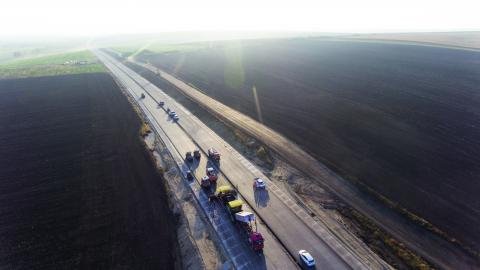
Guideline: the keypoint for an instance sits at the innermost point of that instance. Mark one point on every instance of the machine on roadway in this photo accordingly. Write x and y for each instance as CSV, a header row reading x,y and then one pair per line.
x,y
243,220
259,183
213,154
188,156
212,175
196,154
206,183
189,175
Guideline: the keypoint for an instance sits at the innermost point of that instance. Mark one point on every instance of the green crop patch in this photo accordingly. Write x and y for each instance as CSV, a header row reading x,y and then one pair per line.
x,y
58,64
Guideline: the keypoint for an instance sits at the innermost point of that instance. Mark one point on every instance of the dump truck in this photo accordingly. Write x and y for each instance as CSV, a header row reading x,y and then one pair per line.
x,y
225,193
213,154
234,207
243,219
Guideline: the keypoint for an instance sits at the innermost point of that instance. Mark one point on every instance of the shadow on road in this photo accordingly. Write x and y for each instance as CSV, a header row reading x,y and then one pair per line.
x,y
209,164
193,164
261,197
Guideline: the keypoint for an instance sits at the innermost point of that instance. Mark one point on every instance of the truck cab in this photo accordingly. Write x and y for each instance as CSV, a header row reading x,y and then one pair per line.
x,y
256,240
188,156
213,154
205,182
189,175
196,154
212,175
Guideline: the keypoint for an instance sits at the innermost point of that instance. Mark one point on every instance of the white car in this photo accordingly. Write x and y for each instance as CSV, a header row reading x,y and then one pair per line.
x,y
306,258
259,183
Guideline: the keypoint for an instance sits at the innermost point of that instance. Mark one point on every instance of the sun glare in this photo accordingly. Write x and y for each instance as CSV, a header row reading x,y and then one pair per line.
x,y
89,17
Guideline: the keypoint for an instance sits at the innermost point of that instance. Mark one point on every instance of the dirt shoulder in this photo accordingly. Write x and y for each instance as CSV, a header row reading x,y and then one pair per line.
x,y
430,246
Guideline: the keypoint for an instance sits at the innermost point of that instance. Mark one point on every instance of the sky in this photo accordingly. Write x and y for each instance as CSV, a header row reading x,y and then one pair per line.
x,y
106,17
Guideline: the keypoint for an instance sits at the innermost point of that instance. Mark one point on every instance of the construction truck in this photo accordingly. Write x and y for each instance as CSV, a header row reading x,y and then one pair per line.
x,y
212,175
206,183
196,154
188,156
225,194
243,220
213,154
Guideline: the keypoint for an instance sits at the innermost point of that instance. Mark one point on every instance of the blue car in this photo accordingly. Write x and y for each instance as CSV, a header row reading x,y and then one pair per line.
x,y
306,258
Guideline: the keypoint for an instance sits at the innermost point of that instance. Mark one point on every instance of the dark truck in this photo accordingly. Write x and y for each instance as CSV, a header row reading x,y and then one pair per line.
x,y
213,154
188,156
196,154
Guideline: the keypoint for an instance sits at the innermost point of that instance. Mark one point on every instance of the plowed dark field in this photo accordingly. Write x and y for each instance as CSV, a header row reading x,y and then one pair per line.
x,y
402,119
77,188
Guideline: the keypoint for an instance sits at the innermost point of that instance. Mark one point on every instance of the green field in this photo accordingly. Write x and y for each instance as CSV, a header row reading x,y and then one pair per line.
x,y
51,65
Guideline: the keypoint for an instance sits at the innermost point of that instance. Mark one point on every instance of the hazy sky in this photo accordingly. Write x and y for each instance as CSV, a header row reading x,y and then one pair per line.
x,y
94,17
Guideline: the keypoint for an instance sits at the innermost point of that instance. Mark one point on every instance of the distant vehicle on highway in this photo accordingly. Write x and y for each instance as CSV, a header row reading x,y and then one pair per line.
x,y
205,182
196,154
212,175
306,258
161,103
213,154
173,115
259,183
188,156
189,175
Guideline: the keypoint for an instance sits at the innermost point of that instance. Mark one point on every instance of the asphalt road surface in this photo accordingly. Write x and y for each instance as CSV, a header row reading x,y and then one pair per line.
x,y
293,227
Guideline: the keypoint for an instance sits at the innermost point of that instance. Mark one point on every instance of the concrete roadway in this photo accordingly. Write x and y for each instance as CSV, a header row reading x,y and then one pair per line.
x,y
293,227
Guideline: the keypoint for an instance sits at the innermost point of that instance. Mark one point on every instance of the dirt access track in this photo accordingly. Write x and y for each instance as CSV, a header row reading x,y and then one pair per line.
x,y
430,246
